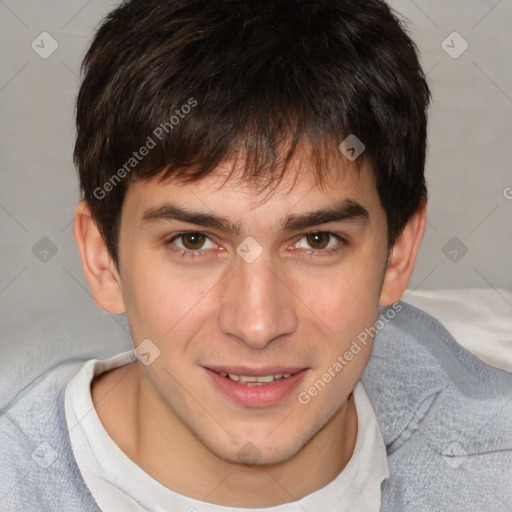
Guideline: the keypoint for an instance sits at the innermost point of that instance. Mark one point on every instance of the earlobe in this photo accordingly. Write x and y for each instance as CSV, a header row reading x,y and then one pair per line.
x,y
402,258
98,267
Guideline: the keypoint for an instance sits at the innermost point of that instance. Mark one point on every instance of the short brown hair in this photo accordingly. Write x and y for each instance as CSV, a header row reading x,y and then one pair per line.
x,y
195,81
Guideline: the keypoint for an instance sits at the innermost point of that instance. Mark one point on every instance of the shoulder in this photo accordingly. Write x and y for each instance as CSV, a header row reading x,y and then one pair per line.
x,y
415,358
34,446
445,415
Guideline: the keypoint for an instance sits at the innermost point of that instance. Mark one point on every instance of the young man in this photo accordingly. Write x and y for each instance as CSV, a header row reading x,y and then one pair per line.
x,y
254,201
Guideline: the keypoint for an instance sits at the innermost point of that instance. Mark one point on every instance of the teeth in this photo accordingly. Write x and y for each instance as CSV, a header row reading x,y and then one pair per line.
x,y
251,380
266,378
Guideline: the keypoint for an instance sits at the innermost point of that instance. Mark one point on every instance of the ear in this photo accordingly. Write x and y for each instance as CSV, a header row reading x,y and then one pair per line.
x,y
402,257
99,268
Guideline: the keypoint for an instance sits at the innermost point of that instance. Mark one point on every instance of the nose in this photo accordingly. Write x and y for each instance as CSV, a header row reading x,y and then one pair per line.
x,y
257,306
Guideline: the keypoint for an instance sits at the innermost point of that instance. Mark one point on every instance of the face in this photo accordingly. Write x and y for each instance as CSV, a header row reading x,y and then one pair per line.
x,y
270,289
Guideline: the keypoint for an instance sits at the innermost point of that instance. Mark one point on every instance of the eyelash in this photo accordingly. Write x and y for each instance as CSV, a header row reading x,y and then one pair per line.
x,y
199,252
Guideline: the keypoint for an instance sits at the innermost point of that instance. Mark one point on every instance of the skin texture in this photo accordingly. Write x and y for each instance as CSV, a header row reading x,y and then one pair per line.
x,y
291,306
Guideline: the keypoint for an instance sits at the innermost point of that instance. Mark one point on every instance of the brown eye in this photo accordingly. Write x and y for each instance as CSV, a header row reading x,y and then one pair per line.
x,y
318,240
321,243
193,241
191,244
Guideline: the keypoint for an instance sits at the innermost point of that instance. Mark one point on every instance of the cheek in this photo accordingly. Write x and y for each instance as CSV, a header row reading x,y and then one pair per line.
x,y
159,302
345,298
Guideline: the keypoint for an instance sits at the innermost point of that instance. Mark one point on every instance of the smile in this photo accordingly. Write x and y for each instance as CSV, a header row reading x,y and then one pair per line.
x,y
264,387
251,380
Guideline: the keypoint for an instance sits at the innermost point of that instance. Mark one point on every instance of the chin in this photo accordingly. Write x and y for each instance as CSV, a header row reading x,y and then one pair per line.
x,y
261,452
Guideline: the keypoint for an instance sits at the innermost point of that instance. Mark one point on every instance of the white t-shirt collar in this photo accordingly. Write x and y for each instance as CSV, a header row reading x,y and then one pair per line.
x,y
117,483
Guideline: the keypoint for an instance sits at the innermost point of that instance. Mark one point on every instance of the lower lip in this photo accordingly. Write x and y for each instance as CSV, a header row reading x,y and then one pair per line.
x,y
257,396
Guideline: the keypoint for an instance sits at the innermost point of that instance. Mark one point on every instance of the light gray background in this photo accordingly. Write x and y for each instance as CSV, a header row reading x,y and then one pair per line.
x,y
468,167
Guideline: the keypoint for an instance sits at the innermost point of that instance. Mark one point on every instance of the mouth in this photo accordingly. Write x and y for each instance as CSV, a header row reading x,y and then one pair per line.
x,y
262,380
256,387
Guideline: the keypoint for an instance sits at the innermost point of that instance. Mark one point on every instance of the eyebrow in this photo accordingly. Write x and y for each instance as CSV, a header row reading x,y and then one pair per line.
x,y
346,210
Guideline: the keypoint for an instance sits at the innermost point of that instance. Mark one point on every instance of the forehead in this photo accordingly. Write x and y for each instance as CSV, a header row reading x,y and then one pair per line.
x,y
260,206
300,177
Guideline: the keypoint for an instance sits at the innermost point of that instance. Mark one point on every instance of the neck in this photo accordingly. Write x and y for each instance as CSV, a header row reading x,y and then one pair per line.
x,y
183,464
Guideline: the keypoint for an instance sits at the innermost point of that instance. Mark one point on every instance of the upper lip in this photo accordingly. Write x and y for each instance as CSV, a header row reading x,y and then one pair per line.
x,y
256,372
